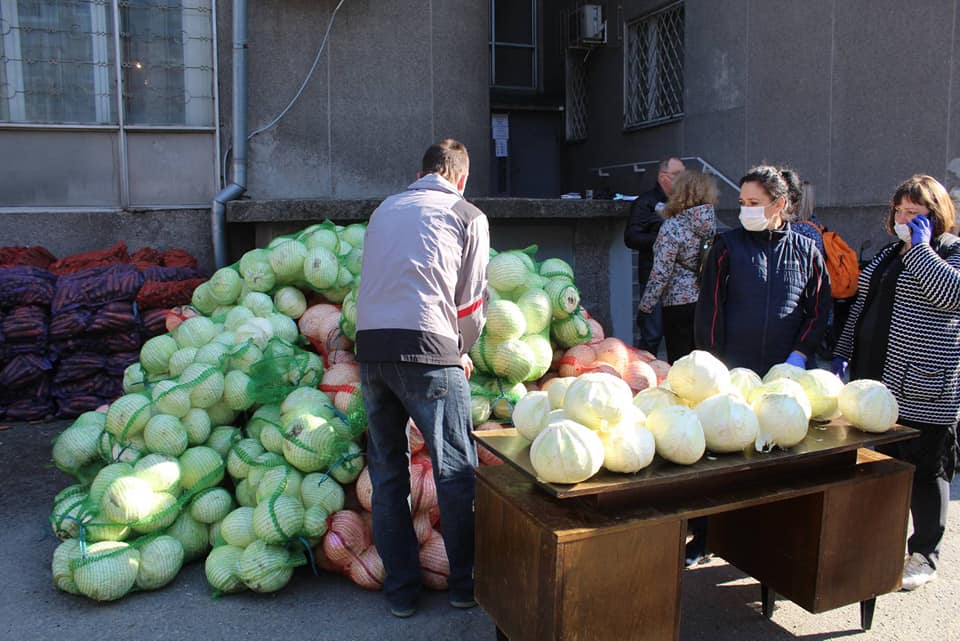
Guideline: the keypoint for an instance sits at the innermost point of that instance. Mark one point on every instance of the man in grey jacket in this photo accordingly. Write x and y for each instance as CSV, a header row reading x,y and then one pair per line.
x,y
420,308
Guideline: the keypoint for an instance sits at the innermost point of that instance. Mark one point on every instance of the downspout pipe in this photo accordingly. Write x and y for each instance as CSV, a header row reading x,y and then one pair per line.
x,y
238,185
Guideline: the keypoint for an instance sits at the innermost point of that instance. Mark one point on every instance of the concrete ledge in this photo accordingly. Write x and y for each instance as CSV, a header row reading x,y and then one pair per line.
x,y
304,210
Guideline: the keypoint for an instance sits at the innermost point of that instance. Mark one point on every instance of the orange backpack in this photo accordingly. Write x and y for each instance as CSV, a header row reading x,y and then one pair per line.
x,y
842,264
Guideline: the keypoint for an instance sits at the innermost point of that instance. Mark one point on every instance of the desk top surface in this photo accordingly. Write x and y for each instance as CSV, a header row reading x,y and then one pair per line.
x,y
824,441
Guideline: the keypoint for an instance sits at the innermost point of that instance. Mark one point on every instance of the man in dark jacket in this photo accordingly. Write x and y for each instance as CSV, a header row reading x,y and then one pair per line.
x,y
640,234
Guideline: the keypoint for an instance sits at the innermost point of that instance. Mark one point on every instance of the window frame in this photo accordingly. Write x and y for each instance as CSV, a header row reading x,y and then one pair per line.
x,y
533,46
121,128
629,34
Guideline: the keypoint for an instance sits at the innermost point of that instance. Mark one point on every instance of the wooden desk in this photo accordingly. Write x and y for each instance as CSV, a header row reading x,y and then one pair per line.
x,y
821,525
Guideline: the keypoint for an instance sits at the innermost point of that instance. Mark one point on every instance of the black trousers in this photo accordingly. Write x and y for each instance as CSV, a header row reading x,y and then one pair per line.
x,y
678,330
934,455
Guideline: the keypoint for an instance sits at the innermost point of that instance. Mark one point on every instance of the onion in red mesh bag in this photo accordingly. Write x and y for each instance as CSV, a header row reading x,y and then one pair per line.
x,y
345,539
339,383
423,488
435,568
146,257
341,356
321,325
414,438
596,331
613,352
485,456
577,360
423,525
661,369
177,315
364,489
639,376
368,571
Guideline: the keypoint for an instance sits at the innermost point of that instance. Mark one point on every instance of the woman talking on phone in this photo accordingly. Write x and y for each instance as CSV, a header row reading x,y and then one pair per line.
x,y
904,330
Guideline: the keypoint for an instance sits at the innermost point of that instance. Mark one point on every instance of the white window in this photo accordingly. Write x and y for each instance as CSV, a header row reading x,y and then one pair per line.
x,y
59,64
653,68
513,44
111,103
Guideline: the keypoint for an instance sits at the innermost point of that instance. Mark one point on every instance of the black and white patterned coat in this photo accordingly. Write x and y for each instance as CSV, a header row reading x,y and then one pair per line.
x,y
922,366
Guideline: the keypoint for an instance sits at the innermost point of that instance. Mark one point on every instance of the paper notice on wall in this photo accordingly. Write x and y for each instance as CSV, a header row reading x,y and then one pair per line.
x,y
501,148
500,123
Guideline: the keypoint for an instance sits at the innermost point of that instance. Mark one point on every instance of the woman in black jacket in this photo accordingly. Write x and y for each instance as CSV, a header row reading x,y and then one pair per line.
x,y
904,330
764,292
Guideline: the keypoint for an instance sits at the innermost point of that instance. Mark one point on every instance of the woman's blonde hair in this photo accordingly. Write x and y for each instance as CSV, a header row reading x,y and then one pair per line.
x,y
927,192
691,188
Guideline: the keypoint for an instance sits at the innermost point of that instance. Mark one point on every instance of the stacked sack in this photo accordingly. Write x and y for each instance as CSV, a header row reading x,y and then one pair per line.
x,y
95,335
169,279
25,364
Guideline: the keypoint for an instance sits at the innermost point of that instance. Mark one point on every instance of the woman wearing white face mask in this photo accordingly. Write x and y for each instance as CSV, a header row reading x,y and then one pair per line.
x,y
904,329
765,292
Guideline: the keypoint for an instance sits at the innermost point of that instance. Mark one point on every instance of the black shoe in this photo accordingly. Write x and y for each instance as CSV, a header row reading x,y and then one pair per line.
x,y
403,612
464,604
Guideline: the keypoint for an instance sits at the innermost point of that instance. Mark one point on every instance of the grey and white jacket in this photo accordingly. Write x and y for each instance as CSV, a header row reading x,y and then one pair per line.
x,y
922,366
423,283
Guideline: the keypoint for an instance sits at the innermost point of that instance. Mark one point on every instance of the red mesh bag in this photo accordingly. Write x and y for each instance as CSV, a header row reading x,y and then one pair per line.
x,y
146,257
35,256
434,566
161,295
178,258
116,254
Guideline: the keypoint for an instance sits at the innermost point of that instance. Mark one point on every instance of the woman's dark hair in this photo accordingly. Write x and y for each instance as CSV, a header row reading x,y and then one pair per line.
x,y
778,182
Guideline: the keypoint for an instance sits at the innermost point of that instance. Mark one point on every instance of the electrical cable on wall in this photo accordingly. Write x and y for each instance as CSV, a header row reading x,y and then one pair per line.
x,y
303,85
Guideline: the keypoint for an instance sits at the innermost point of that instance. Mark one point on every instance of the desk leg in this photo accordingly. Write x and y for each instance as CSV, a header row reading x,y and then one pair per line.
x,y
866,612
766,601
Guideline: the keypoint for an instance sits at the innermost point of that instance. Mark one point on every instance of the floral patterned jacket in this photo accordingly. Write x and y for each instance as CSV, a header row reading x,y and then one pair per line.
x,y
674,279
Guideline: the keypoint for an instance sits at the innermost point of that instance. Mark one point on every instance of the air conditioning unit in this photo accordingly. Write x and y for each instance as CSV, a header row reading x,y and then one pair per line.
x,y
592,26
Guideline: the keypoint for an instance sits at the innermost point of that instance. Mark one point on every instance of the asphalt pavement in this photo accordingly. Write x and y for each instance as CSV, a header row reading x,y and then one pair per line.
x,y
719,602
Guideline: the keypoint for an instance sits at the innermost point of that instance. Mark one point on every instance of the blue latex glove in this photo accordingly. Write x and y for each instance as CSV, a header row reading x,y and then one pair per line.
x,y
797,360
921,230
839,366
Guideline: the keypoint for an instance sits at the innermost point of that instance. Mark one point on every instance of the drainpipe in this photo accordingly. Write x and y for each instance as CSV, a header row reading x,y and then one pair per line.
x,y
218,214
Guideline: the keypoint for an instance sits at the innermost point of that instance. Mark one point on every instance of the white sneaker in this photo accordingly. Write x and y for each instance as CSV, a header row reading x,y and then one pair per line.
x,y
917,572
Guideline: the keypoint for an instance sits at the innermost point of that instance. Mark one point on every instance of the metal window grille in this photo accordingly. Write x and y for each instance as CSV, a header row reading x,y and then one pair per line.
x,y
576,107
653,68
62,60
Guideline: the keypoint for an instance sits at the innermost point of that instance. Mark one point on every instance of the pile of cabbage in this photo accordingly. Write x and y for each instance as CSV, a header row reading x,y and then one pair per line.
x,y
577,425
530,304
233,443
228,393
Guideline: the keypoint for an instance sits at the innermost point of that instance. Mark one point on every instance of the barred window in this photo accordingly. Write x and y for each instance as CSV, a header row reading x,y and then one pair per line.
x,y
653,68
576,96
58,62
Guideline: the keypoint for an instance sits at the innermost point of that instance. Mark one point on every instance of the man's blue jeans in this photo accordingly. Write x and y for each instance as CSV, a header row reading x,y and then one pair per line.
x,y
437,398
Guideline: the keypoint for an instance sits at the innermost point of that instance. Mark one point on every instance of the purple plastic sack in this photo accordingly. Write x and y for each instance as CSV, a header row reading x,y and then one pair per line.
x,y
23,370
94,287
25,324
105,344
78,366
21,286
32,403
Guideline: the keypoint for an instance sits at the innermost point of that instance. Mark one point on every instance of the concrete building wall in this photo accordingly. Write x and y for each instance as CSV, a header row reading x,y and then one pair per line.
x,y
856,95
396,75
